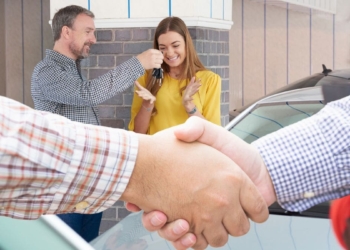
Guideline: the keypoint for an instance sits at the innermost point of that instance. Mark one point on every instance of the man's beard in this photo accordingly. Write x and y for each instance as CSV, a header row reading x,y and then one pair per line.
x,y
79,52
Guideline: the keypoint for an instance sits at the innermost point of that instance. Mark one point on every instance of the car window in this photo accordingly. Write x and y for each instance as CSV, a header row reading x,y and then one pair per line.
x,y
267,118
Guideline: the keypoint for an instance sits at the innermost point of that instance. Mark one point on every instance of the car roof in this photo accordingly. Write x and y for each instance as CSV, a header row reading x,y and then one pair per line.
x,y
327,77
342,73
305,94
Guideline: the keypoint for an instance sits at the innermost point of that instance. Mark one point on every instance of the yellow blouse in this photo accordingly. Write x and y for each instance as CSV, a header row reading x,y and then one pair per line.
x,y
170,111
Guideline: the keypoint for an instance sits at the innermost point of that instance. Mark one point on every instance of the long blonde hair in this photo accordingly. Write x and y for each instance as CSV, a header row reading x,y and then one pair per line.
x,y
191,64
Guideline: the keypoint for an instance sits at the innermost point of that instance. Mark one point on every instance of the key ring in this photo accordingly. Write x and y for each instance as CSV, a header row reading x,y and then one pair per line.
x,y
158,74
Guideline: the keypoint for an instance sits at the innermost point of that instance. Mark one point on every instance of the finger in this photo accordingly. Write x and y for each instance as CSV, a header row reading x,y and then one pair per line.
x,y
174,230
185,242
154,220
201,242
194,130
253,203
237,224
217,237
131,207
193,79
191,130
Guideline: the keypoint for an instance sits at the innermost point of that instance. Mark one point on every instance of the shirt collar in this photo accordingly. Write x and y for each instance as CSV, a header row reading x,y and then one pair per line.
x,y
54,55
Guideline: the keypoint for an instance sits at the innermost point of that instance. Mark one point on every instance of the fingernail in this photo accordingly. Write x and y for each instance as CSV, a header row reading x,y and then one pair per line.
x,y
188,241
179,228
155,221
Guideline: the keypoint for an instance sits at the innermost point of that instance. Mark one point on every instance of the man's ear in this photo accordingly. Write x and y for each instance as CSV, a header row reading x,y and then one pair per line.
x,y
65,32
346,234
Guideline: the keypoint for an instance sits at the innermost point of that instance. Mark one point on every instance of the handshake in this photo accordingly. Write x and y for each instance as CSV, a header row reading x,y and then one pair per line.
x,y
199,183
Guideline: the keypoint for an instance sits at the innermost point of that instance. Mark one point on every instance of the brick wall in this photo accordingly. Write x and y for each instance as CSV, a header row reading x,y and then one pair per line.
x,y
114,46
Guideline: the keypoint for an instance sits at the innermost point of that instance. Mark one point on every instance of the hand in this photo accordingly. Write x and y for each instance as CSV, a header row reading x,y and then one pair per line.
x,y
197,183
144,93
244,154
151,59
190,90
176,232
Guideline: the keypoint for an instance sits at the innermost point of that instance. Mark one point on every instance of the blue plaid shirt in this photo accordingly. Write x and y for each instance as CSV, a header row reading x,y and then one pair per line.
x,y
58,87
309,162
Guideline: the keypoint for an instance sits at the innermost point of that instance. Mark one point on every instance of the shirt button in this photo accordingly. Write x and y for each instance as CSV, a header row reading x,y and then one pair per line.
x,y
81,205
309,194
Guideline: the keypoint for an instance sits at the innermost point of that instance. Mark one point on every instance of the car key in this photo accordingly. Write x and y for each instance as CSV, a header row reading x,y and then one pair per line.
x,y
158,74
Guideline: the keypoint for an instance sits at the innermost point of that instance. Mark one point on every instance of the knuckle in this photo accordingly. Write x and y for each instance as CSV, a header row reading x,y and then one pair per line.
x,y
219,240
200,245
260,211
243,228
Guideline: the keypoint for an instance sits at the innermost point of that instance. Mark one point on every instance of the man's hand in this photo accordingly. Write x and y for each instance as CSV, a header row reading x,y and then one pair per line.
x,y
151,59
242,153
197,183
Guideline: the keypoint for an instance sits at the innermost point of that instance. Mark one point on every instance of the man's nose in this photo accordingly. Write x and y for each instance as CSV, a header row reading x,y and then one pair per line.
x,y
93,38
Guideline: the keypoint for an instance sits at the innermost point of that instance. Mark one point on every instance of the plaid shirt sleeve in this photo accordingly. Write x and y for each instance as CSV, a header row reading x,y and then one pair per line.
x,y
309,162
49,164
50,81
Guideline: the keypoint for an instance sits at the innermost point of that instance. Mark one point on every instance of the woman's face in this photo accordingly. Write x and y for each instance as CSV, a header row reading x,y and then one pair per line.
x,y
172,44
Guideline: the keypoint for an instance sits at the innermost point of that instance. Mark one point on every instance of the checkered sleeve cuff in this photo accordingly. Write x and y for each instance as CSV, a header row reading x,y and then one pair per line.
x,y
309,161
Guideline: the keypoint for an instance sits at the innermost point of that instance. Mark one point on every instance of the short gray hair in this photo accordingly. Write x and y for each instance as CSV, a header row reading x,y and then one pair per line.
x,y
66,17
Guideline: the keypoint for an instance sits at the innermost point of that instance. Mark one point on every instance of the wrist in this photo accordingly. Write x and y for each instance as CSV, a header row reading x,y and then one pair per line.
x,y
147,104
189,106
192,111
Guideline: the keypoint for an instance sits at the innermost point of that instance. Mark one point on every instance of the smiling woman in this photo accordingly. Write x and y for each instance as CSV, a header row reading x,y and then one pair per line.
x,y
187,89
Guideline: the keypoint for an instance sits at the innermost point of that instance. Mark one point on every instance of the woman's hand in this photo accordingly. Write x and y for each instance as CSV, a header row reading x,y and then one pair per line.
x,y
190,90
144,93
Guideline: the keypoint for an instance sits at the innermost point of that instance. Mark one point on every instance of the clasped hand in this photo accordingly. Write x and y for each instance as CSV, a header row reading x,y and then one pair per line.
x,y
211,195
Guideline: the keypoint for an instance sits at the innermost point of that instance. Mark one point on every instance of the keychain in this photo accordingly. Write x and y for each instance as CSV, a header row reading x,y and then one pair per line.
x,y
158,74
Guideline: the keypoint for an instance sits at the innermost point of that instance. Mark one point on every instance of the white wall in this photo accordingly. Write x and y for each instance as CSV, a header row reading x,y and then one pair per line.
x,y
142,13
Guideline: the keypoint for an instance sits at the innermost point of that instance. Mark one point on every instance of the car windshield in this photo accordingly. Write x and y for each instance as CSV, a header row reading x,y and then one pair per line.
x,y
267,118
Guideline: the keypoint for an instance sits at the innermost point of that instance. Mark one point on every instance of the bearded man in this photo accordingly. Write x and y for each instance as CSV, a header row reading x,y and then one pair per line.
x,y
58,86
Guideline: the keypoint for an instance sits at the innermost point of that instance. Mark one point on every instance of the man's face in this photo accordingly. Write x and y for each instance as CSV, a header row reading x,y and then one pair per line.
x,y
82,36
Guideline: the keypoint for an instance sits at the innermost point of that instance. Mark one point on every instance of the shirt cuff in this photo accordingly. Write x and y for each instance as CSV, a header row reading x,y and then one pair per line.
x,y
309,161
99,172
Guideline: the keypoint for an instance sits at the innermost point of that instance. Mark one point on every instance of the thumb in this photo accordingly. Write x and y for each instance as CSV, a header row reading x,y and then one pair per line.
x,y
203,131
190,131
